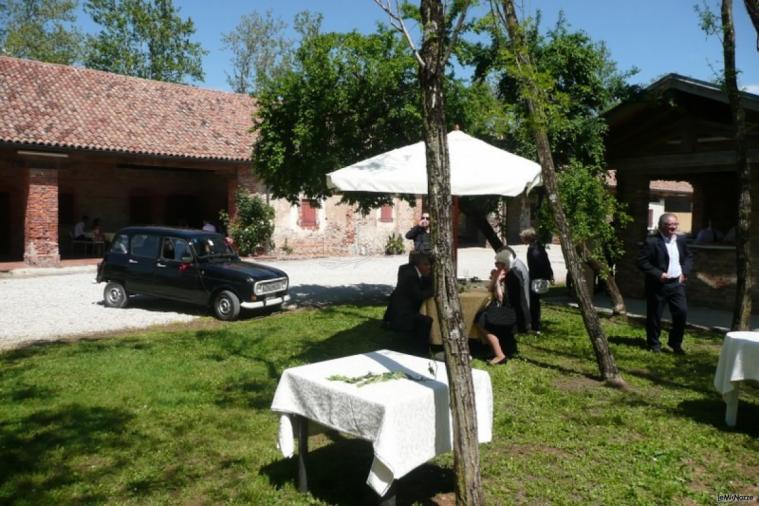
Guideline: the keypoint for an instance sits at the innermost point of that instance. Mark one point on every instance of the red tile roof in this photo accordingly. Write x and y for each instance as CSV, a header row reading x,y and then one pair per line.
x,y
57,105
660,185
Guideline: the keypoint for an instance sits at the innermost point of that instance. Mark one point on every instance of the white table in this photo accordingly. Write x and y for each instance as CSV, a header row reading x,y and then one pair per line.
x,y
408,421
738,361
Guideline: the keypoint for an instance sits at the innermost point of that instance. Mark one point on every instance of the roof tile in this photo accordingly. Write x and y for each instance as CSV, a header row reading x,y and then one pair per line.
x,y
59,105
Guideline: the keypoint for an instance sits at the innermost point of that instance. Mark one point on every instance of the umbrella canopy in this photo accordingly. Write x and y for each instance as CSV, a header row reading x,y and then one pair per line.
x,y
477,168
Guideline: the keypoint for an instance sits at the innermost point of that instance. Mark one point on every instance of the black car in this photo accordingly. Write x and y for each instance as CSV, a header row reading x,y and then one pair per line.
x,y
187,265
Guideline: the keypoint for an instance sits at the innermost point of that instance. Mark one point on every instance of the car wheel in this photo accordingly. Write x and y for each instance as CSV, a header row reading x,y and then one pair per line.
x,y
226,306
115,295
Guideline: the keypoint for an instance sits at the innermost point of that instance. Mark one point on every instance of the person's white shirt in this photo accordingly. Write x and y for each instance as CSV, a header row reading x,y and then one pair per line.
x,y
209,227
79,229
674,270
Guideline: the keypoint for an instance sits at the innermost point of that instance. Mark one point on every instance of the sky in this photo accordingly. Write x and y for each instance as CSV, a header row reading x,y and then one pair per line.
x,y
656,36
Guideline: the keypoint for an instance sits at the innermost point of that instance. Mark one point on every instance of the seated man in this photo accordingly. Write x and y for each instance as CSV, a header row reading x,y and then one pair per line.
x,y
413,287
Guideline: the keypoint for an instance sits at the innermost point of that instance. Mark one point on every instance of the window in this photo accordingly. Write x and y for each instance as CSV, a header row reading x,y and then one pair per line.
x,y
308,214
174,249
145,246
386,213
211,246
120,244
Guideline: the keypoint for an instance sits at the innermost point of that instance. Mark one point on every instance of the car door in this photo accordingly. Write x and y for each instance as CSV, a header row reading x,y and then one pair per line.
x,y
174,276
143,254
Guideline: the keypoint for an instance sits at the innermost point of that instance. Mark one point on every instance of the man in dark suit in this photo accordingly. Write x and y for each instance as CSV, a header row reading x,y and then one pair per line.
x,y
413,287
666,261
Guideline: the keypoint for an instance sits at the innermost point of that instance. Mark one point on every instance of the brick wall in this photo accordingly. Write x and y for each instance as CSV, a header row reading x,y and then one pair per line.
x,y
41,218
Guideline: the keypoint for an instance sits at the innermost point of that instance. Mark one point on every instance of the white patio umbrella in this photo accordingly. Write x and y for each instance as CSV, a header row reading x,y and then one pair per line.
x,y
477,168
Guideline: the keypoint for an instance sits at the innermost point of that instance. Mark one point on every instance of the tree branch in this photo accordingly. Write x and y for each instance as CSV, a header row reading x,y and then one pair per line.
x,y
456,31
396,21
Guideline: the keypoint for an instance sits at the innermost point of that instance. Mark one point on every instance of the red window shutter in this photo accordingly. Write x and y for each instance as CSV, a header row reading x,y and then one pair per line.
x,y
386,213
307,214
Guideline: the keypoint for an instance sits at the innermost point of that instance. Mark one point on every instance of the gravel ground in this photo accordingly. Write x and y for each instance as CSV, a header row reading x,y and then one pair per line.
x,y
48,304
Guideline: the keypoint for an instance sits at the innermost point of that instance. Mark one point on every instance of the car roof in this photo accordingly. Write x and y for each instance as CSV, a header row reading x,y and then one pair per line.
x,y
185,233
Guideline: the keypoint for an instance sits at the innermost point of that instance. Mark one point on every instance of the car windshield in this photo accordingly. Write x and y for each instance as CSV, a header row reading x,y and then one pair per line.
x,y
211,246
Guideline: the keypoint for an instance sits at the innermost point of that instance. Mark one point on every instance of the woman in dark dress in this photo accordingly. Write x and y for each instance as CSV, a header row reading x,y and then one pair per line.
x,y
505,310
540,268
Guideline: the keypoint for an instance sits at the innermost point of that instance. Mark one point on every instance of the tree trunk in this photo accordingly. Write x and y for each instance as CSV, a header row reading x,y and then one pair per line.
x,y
531,93
742,311
483,225
601,270
466,450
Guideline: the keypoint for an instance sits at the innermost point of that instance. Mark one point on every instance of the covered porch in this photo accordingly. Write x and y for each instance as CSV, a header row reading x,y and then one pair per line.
x,y
680,130
44,193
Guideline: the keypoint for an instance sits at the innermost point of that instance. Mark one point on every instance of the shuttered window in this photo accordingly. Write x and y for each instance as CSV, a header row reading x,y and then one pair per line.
x,y
386,214
308,214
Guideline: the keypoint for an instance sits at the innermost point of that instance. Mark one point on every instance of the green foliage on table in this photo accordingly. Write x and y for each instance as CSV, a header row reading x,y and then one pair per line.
x,y
143,38
253,224
370,377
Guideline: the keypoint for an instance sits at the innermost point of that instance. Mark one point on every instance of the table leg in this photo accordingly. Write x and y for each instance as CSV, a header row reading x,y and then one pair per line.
x,y
731,409
389,498
302,453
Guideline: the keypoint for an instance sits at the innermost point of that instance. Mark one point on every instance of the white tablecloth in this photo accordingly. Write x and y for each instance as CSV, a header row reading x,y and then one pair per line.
x,y
407,421
738,360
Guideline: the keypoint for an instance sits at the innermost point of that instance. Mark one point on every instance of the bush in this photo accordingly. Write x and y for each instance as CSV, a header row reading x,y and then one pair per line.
x,y
394,245
253,225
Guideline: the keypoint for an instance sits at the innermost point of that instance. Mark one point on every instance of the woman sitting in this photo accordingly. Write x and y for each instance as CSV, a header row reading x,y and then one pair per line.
x,y
505,310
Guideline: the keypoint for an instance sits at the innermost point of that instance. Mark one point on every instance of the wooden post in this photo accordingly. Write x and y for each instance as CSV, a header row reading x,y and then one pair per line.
x,y
302,453
455,225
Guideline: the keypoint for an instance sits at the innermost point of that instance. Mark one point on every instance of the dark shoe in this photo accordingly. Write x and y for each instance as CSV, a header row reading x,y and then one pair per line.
x,y
654,349
678,350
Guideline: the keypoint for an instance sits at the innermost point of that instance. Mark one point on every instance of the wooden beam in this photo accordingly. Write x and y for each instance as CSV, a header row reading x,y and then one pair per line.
x,y
715,161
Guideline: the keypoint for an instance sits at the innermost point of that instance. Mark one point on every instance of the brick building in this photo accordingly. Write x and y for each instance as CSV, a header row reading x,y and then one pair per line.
x,y
126,150
679,130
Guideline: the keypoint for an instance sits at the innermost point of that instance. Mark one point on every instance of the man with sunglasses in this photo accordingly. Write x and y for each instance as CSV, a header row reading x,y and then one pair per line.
x,y
420,234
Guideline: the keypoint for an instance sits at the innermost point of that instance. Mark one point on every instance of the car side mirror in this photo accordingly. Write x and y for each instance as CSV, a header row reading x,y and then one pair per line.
x,y
187,259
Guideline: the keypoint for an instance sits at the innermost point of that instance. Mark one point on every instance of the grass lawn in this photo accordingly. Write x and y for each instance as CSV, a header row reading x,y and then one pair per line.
x,y
181,415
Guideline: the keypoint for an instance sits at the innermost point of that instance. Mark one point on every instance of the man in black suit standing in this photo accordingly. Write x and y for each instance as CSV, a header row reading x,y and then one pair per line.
x,y
666,261
413,287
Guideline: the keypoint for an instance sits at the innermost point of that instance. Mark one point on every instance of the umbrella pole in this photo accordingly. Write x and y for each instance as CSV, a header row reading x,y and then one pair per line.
x,y
455,225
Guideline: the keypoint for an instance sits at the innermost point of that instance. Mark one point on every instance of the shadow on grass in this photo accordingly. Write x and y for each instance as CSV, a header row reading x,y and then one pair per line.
x,y
65,445
632,342
319,295
337,475
712,412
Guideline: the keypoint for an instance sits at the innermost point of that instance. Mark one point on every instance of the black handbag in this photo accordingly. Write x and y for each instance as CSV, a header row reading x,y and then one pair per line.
x,y
500,316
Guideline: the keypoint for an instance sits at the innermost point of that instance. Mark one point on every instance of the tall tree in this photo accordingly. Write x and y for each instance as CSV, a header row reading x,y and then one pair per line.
x,y
742,311
437,42
143,38
584,82
532,92
259,48
40,30
356,94
744,272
